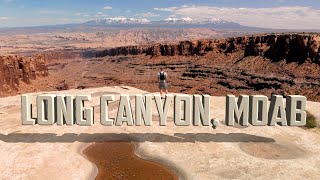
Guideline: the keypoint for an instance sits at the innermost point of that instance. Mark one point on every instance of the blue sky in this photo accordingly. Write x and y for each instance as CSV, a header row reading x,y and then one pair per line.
x,y
294,14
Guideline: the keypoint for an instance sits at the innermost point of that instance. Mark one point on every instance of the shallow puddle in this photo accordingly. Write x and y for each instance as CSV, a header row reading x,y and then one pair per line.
x,y
116,160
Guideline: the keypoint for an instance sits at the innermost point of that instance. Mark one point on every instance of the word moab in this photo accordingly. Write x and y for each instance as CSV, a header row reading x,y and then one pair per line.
x,y
257,111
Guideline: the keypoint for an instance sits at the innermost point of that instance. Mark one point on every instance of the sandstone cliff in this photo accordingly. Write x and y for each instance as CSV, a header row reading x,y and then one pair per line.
x,y
14,70
61,55
292,47
128,50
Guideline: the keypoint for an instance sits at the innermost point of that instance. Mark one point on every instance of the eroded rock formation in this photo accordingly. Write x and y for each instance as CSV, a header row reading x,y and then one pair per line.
x,y
292,47
14,69
129,50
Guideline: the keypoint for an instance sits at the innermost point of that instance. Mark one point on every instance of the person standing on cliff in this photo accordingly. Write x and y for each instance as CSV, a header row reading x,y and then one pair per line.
x,y
162,81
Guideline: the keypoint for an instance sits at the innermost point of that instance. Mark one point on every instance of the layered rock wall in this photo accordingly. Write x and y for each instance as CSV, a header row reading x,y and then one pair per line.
x,y
61,55
292,47
15,69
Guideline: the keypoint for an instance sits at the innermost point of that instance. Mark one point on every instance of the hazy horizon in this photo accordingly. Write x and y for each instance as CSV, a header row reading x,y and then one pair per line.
x,y
275,14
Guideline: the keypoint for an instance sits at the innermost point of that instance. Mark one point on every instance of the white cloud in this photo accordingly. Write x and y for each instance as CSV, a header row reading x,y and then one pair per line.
x,y
107,8
87,15
172,19
147,15
3,18
82,14
169,9
295,17
101,14
78,14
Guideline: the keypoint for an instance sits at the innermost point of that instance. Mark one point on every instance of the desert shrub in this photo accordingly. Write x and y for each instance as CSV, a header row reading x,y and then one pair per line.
x,y
311,121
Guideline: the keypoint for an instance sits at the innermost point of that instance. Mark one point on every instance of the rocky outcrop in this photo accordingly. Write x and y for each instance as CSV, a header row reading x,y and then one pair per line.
x,y
294,48
291,47
62,86
129,50
14,70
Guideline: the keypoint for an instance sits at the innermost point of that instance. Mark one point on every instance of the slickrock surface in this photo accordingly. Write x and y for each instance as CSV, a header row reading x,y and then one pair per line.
x,y
200,153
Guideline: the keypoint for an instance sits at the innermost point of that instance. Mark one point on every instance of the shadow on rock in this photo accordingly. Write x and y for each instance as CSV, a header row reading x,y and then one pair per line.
x,y
131,137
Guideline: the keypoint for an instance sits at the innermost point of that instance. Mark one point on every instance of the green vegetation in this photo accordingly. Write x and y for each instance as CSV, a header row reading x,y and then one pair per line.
x,y
311,121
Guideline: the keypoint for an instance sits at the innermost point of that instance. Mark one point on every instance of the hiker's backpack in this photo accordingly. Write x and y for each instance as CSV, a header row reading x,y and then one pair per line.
x,y
162,76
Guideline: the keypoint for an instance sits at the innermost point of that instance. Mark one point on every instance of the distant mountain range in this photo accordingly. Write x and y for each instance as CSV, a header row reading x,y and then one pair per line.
x,y
130,23
168,23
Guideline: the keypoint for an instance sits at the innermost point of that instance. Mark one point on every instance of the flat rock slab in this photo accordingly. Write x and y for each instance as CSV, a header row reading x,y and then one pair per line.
x,y
55,152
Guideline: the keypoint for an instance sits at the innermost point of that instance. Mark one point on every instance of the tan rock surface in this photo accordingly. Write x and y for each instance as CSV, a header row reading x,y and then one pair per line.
x,y
54,152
